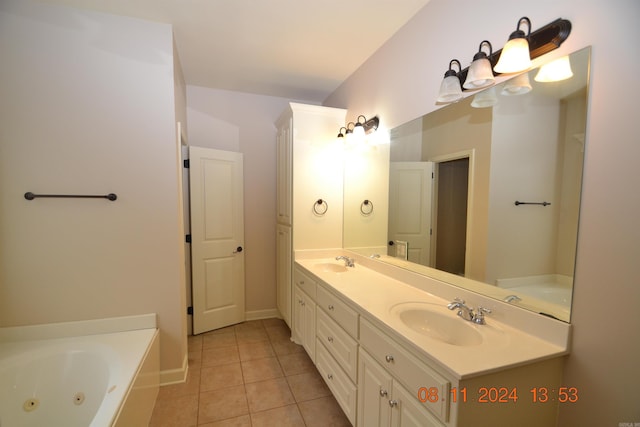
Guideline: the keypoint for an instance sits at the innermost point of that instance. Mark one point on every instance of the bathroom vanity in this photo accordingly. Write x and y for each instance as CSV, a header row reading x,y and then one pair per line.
x,y
392,353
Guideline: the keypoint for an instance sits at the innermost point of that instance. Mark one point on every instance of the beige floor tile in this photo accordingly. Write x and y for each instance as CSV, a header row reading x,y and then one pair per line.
x,y
296,363
308,386
216,356
282,347
278,333
285,416
222,404
219,340
180,411
251,324
251,335
242,421
216,377
268,394
255,350
261,369
323,412
274,321
194,342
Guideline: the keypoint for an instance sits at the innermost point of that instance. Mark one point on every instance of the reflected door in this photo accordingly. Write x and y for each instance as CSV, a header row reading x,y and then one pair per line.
x,y
411,189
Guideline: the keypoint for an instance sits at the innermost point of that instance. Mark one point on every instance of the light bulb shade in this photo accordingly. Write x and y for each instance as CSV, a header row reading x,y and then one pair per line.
x,y
514,57
479,75
518,85
484,99
450,90
358,131
555,71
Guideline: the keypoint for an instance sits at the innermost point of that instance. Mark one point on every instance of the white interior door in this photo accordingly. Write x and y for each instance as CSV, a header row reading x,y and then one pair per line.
x,y
217,238
410,193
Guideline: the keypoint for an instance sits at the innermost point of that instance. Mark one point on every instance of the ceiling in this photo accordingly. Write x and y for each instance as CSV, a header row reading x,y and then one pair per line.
x,y
298,49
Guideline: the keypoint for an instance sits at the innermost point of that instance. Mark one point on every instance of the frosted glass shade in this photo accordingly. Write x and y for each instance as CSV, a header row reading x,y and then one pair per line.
x,y
514,57
450,90
479,74
518,85
555,71
484,99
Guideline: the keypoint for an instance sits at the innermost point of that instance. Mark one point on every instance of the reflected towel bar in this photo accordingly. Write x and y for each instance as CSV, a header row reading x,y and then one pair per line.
x,y
111,196
517,203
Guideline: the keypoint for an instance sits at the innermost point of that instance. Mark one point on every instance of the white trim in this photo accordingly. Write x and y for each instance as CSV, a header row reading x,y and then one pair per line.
x,y
175,376
262,314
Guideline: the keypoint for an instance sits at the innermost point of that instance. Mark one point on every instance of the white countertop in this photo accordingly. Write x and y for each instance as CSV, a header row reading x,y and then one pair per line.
x,y
376,294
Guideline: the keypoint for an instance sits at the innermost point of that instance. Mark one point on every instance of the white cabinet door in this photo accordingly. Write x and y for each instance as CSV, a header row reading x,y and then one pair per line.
x,y
407,411
304,321
283,271
374,393
283,172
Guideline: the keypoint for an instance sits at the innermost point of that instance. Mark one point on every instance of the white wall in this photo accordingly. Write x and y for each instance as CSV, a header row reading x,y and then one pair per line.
x,y
400,82
87,107
244,123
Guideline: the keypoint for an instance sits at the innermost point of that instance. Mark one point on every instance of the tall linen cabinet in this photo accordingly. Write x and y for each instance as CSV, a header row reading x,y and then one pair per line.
x,y
308,192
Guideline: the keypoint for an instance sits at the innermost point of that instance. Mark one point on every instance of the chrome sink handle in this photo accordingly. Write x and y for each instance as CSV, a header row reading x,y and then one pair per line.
x,y
478,317
348,262
463,311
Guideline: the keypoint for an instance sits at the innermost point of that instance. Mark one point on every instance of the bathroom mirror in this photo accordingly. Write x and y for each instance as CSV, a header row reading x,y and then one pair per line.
x,y
484,193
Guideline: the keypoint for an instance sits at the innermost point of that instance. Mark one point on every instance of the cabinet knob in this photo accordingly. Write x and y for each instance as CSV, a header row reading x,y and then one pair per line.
x,y
330,307
388,358
383,393
393,403
330,376
330,339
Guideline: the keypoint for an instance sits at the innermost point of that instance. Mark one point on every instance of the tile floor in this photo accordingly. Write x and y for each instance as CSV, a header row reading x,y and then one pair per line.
x,y
251,375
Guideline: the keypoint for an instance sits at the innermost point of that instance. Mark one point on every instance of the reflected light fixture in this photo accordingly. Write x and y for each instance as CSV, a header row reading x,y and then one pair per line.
x,y
450,90
484,99
518,85
340,134
515,55
480,73
357,131
555,71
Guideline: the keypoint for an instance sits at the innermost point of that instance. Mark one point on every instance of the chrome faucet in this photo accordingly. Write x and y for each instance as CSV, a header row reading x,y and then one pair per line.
x,y
467,312
348,262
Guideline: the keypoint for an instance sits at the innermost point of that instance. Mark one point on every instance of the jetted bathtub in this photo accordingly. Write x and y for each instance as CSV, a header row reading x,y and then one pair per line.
x,y
105,378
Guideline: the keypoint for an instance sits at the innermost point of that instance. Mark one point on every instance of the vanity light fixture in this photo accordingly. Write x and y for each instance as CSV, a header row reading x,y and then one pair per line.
x,y
555,71
340,134
358,130
515,55
480,73
450,90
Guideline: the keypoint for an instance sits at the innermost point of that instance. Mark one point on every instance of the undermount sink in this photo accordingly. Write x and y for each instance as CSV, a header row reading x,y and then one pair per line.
x,y
432,321
331,267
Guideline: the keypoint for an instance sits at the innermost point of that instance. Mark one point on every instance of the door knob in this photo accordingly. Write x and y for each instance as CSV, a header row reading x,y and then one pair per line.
x,y
238,249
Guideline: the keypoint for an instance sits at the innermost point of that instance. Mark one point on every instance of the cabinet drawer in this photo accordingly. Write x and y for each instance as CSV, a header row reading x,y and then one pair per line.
x,y
410,371
338,381
338,311
342,347
305,282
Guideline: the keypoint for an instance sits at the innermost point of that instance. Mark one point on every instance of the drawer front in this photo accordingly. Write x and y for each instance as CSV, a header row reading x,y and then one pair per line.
x,y
305,282
405,367
342,347
338,311
338,381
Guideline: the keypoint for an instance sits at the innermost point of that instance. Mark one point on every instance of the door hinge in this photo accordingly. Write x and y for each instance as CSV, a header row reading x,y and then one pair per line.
x,y
187,238
186,163
432,175
189,310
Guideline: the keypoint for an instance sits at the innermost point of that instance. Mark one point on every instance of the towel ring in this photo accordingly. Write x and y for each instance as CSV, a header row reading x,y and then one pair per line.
x,y
320,207
366,207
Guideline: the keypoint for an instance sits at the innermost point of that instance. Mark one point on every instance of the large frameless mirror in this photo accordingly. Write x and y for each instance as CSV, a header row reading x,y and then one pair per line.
x,y
483,193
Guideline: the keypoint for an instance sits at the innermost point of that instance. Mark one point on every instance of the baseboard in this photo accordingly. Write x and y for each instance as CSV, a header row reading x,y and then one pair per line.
x,y
262,314
175,376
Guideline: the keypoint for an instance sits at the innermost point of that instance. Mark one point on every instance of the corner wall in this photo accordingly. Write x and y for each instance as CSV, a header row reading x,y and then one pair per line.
x,y
87,107
400,82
